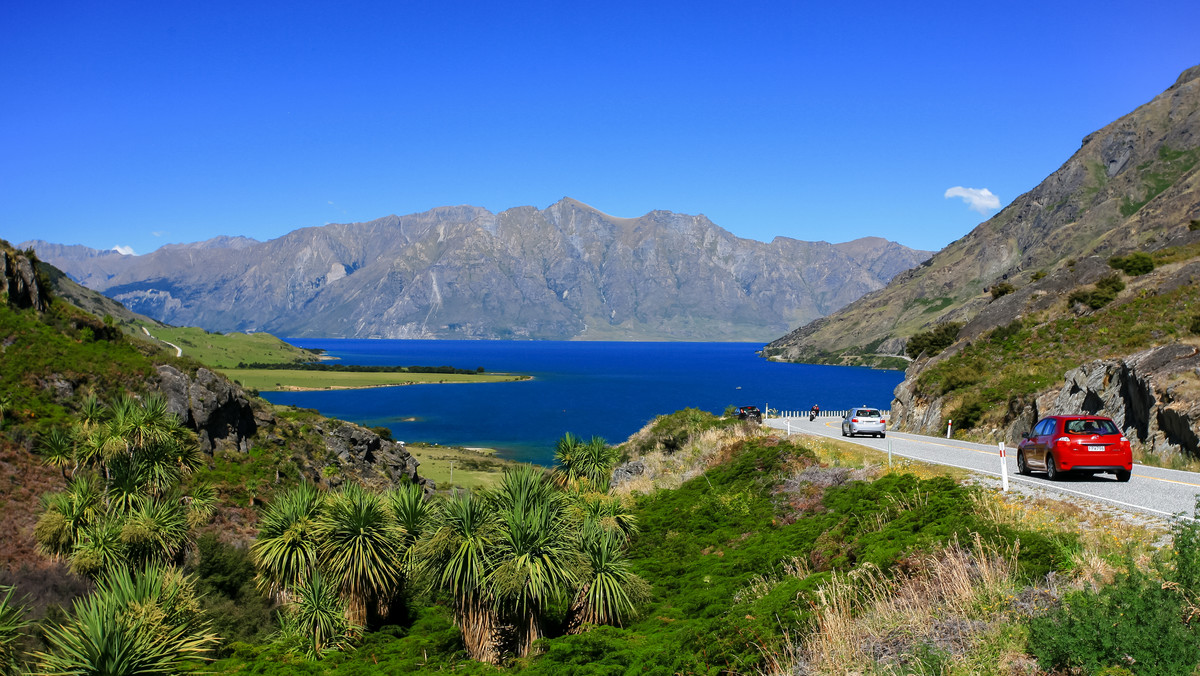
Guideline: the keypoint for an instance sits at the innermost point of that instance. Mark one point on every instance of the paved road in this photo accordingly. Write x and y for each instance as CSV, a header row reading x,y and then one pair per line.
x,y
1152,490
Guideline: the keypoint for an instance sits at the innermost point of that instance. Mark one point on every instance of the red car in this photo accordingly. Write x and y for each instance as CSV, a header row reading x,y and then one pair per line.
x,y
1075,443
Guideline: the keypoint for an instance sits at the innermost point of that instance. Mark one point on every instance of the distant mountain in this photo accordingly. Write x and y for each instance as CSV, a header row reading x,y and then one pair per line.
x,y
567,271
1132,186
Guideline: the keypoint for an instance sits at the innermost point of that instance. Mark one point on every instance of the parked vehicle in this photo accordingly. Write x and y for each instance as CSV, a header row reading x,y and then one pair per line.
x,y
864,420
750,413
1087,444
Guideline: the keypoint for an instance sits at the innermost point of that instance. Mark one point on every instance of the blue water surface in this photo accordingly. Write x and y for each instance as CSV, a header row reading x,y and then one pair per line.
x,y
607,389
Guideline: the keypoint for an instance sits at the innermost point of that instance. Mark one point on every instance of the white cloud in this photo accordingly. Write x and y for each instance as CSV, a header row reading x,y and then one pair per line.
x,y
126,250
977,199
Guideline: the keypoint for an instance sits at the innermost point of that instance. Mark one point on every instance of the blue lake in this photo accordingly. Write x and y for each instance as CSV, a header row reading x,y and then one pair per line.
x,y
607,389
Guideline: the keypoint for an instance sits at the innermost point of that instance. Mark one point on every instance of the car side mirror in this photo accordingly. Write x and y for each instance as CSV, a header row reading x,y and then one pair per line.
x,y
1026,435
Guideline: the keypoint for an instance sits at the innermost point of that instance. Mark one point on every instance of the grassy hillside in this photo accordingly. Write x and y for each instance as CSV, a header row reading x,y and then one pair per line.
x,y
799,555
227,350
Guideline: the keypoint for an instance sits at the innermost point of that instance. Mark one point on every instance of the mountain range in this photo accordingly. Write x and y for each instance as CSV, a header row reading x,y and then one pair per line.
x,y
565,272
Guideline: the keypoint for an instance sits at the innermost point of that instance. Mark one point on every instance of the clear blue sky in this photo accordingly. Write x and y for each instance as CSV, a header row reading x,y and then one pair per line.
x,y
139,124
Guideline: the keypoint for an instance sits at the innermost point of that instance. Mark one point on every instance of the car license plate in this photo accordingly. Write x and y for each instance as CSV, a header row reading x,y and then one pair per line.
x,y
1100,447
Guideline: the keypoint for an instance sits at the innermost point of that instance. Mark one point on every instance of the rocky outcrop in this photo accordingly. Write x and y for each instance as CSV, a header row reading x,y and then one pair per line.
x,y
219,411
369,457
19,282
1151,395
225,419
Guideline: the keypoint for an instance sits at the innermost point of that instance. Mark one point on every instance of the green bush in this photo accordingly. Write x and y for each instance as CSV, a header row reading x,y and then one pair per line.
x,y
934,340
968,414
1002,289
1137,263
1140,622
1106,290
1040,274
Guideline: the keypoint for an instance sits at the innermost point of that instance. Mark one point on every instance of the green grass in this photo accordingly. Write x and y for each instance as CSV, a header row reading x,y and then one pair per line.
x,y
452,466
265,380
227,350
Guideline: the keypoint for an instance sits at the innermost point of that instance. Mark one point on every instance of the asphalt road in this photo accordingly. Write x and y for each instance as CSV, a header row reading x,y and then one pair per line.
x,y
1152,490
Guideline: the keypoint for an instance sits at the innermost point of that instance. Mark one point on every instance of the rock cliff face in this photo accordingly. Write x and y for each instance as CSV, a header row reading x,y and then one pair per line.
x,y
19,283
567,271
218,410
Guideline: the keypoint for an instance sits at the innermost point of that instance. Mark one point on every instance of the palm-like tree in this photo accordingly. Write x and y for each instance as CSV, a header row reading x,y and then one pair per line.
x,y
12,625
285,550
148,622
58,449
317,622
536,558
457,558
609,591
583,466
606,512
360,549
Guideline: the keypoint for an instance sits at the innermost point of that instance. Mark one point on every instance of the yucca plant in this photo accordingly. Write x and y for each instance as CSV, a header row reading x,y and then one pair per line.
x,y
12,625
536,558
58,450
456,558
360,549
609,591
143,622
315,624
285,550
606,512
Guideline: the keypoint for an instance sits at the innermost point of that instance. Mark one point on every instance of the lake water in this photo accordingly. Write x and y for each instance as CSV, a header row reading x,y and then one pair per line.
x,y
606,389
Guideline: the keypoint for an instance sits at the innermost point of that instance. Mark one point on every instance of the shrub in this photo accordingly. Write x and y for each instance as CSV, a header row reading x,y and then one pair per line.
x,y
968,414
1002,289
1138,623
1040,274
1104,293
1137,263
934,340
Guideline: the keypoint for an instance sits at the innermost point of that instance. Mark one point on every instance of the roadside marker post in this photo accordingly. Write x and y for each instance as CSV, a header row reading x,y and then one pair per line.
x,y
1003,469
789,425
949,424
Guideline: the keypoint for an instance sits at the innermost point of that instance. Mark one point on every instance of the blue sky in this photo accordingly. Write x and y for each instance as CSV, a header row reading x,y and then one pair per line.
x,y
140,124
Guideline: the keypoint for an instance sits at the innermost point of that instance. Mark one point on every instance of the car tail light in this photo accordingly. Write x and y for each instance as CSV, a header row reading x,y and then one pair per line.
x,y
1062,440
883,421
854,420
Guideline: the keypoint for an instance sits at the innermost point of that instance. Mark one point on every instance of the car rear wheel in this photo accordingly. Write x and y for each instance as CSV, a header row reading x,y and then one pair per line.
x,y
1052,471
1022,466
882,435
1123,475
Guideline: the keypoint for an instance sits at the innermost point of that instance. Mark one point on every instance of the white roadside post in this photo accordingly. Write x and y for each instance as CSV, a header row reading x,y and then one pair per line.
x,y
949,423
789,427
1003,469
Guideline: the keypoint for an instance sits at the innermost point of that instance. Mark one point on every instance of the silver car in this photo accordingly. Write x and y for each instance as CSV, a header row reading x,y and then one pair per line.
x,y
864,420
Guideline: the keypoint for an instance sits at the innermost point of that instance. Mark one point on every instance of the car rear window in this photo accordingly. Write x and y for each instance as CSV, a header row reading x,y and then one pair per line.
x,y
867,413
1091,427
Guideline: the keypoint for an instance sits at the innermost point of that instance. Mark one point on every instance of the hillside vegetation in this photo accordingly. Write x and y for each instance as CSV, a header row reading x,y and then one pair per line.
x,y
701,545
1132,187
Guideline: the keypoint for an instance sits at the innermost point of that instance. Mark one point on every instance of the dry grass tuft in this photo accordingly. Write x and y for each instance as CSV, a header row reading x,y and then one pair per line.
x,y
664,470
870,623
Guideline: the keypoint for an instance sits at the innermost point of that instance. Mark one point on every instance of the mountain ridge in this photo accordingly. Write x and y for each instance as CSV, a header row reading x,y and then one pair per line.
x,y
1131,186
568,271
